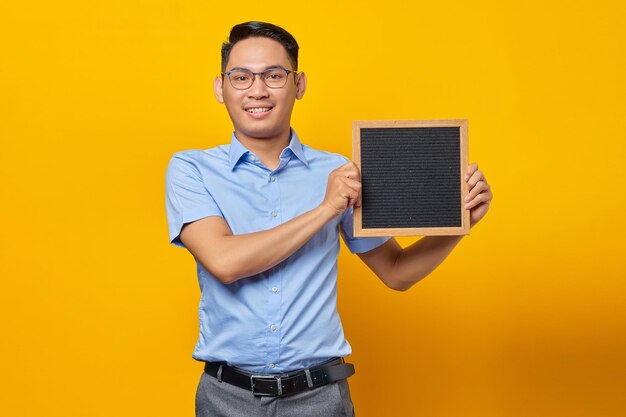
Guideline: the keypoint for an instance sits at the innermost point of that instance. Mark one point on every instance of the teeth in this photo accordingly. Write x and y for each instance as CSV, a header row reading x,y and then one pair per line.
x,y
258,109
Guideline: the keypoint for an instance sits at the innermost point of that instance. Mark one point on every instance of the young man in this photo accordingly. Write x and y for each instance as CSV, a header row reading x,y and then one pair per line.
x,y
262,217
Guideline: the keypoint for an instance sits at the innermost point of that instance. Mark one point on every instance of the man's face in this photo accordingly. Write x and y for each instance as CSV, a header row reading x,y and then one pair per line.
x,y
273,106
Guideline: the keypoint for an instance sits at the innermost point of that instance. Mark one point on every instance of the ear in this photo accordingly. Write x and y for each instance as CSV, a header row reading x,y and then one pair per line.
x,y
218,89
300,85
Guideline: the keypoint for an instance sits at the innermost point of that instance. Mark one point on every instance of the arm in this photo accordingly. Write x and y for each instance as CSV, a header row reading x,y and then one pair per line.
x,y
231,257
400,268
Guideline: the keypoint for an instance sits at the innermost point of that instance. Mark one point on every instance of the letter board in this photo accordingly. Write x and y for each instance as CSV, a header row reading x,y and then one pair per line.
x,y
412,173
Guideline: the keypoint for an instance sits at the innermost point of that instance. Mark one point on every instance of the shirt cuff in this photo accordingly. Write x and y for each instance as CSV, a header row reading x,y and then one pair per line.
x,y
366,244
189,216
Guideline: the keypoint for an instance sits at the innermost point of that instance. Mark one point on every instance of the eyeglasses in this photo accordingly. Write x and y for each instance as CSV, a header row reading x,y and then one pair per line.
x,y
242,79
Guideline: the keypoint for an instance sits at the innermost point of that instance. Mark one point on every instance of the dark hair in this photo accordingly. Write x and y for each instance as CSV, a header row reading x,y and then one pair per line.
x,y
264,30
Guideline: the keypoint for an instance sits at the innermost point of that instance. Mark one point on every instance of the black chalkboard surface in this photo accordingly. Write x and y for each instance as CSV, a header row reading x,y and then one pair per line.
x,y
412,177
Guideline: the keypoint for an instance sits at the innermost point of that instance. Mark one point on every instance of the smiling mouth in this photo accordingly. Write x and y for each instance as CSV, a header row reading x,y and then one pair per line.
x,y
258,109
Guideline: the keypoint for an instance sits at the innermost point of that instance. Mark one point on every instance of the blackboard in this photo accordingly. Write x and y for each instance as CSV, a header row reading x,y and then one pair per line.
x,y
412,173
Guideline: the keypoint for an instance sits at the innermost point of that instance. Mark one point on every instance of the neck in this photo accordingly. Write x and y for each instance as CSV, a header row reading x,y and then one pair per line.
x,y
267,149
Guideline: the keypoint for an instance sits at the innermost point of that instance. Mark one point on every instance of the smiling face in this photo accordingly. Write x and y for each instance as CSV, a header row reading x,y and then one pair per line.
x,y
260,112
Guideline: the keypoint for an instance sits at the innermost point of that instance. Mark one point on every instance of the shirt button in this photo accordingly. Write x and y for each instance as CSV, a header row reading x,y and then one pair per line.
x,y
274,289
274,214
273,327
271,365
253,158
272,178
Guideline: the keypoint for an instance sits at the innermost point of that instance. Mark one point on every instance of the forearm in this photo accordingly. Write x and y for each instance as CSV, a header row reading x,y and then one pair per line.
x,y
246,255
421,258
232,257
400,268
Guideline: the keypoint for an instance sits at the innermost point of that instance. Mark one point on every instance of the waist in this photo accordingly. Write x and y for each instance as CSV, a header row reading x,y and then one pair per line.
x,y
282,384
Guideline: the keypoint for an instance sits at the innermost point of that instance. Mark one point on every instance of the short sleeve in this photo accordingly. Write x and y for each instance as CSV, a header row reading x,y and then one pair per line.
x,y
357,244
186,197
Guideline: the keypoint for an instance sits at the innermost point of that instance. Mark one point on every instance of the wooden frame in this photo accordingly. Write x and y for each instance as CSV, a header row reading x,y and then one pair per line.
x,y
462,124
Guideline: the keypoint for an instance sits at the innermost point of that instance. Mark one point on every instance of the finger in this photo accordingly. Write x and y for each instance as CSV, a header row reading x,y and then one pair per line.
x,y
343,185
475,178
479,199
348,187
347,166
471,168
352,198
480,187
349,169
356,187
342,179
353,174
353,188
352,183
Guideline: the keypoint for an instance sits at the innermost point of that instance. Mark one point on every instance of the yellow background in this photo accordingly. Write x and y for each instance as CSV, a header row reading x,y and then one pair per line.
x,y
526,318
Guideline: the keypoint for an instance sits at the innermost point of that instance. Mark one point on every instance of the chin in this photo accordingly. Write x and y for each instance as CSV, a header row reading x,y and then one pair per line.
x,y
260,134
263,133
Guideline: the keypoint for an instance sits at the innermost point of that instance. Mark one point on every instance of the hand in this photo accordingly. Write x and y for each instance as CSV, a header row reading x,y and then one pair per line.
x,y
344,188
479,197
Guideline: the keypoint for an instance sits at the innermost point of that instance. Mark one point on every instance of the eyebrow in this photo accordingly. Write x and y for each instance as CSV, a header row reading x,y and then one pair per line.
x,y
266,68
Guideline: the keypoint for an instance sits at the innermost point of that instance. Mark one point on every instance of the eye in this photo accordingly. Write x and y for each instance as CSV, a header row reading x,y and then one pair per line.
x,y
275,75
240,76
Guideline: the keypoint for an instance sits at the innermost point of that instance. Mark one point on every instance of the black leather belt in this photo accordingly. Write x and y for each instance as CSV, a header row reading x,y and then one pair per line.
x,y
281,384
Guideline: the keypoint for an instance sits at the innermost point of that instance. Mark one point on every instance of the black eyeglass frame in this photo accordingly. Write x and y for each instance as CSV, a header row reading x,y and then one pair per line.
x,y
254,74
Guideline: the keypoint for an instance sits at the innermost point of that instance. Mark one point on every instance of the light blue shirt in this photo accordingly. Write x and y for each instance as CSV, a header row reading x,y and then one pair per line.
x,y
286,317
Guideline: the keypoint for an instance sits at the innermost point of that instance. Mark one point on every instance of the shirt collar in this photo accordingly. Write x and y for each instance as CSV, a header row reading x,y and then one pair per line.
x,y
296,147
237,150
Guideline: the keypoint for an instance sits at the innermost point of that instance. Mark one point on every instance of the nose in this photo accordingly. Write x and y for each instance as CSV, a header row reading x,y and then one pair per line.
x,y
258,89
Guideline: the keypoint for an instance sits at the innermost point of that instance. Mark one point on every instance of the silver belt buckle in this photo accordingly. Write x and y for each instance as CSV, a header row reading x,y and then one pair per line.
x,y
277,379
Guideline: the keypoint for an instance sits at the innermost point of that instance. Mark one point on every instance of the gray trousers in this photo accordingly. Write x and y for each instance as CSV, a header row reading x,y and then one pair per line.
x,y
220,399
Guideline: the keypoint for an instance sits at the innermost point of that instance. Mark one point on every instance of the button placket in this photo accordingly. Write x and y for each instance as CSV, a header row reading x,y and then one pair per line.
x,y
274,196
274,317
